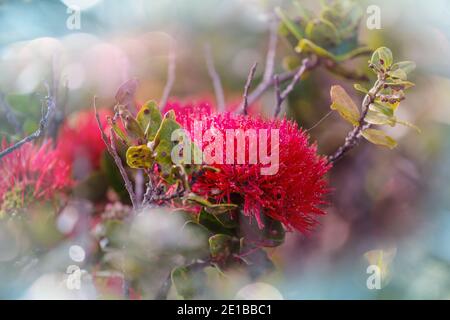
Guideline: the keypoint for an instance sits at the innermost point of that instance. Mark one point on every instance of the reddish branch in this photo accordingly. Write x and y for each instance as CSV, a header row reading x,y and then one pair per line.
x,y
355,135
247,86
170,77
43,124
220,97
111,147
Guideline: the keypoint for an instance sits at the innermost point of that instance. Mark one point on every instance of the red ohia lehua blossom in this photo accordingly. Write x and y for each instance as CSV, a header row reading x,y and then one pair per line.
x,y
32,173
293,196
80,143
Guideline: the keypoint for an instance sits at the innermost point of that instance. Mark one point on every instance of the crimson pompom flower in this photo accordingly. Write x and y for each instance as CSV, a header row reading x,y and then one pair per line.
x,y
32,173
80,143
293,195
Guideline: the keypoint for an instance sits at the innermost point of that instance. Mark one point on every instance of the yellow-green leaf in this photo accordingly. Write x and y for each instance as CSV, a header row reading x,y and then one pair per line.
x,y
360,88
163,145
380,138
406,66
149,118
342,103
382,58
139,157
409,125
307,46
129,122
119,132
382,108
398,74
400,85
378,118
322,32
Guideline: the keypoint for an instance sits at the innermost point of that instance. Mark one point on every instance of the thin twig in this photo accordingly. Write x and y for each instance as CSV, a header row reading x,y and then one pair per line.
x,y
295,75
271,51
354,136
10,114
217,83
277,95
170,76
306,65
247,86
111,147
267,80
43,123
57,119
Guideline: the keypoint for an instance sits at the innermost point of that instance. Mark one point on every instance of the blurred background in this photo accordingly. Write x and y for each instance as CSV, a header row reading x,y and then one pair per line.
x,y
389,203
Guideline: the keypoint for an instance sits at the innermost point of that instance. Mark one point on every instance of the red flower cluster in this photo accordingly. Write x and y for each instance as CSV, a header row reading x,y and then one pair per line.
x,y
80,143
292,196
35,171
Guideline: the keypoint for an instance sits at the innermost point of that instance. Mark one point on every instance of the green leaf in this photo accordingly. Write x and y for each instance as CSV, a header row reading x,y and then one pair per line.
x,y
290,25
210,207
380,138
342,102
406,66
163,145
271,235
360,88
382,58
131,125
400,85
378,118
307,46
409,125
398,74
216,223
187,282
212,223
353,54
382,108
119,132
139,157
192,240
149,118
221,247
322,32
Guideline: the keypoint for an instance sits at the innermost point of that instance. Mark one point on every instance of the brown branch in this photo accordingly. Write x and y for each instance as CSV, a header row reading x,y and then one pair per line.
x,y
220,97
267,80
247,86
355,135
43,124
295,75
111,147
277,95
170,76
306,65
